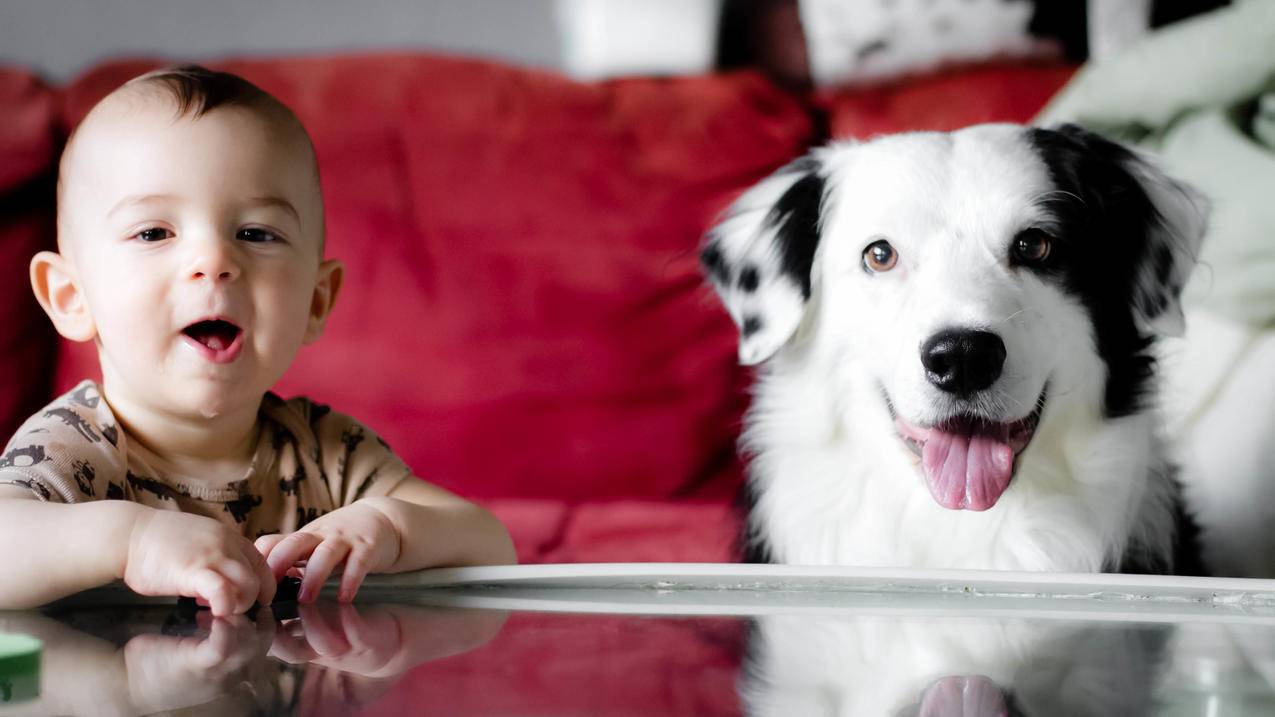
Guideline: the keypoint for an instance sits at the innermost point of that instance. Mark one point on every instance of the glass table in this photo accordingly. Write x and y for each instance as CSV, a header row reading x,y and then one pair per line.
x,y
672,639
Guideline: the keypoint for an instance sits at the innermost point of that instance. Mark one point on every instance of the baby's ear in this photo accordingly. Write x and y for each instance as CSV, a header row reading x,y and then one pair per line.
x,y
57,288
760,257
326,286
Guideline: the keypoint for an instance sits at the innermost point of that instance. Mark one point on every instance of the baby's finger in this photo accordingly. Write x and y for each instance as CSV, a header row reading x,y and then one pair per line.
x,y
228,644
266,582
323,631
214,588
292,648
323,560
357,565
243,579
358,632
266,543
289,550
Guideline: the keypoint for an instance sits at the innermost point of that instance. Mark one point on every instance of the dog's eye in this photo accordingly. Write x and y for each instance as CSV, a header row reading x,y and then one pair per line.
x,y
1031,247
879,257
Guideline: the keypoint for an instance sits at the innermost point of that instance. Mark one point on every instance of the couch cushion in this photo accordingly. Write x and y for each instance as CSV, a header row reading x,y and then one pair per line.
x,y
523,314
946,101
620,531
28,161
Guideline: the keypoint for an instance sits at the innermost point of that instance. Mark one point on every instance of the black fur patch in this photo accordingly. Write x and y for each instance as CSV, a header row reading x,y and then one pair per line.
x,y
751,547
1186,558
1105,220
795,218
715,264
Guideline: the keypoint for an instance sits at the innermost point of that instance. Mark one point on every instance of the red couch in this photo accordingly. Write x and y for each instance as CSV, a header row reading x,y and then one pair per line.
x,y
523,317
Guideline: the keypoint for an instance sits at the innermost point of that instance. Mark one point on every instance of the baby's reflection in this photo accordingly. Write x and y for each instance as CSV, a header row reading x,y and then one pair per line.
x,y
330,658
950,667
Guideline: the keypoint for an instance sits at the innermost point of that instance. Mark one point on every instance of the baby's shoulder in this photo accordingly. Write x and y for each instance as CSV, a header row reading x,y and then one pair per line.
x,y
76,436
79,416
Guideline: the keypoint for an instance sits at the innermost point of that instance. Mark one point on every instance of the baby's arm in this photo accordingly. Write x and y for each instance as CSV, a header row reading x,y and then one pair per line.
x,y
436,528
415,526
57,549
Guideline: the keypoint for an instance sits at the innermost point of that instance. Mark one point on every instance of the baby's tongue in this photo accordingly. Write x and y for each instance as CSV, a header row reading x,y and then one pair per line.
x,y
966,471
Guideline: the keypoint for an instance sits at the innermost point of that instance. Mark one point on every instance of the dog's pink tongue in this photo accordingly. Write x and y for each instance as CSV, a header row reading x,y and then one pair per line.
x,y
965,471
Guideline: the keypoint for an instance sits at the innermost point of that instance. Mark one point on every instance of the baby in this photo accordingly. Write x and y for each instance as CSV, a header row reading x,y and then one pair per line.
x,y
190,251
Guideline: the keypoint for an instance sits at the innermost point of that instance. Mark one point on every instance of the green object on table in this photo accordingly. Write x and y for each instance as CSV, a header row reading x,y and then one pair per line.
x,y
19,668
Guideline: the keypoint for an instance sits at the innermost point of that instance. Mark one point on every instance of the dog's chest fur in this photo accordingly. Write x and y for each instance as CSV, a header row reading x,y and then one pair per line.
x,y
1097,498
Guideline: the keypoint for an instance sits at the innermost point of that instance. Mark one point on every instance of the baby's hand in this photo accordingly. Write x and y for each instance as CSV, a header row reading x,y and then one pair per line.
x,y
380,641
171,673
358,535
171,553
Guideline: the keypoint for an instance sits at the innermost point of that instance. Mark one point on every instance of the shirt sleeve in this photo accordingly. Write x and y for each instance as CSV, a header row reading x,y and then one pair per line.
x,y
68,452
356,461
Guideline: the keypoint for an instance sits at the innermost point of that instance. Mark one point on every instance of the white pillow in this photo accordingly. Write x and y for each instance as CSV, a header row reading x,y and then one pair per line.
x,y
859,41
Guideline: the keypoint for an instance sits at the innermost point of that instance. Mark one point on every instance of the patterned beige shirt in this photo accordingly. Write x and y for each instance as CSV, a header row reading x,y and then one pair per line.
x,y
308,461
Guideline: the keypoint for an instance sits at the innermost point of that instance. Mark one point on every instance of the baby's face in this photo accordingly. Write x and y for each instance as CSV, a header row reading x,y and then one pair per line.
x,y
198,247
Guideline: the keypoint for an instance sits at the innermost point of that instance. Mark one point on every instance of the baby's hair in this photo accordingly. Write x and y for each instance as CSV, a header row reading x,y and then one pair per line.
x,y
198,90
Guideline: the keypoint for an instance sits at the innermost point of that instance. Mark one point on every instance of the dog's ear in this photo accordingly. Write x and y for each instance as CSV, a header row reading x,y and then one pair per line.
x,y
759,257
1173,244
1158,220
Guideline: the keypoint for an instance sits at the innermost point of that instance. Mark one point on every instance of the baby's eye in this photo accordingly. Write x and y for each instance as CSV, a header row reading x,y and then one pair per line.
x,y
153,234
255,234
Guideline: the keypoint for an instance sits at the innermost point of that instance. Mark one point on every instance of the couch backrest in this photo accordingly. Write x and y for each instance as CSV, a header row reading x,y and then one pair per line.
x,y
523,312
29,146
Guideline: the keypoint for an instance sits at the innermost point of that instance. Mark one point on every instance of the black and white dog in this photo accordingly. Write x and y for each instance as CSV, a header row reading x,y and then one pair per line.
x,y
956,331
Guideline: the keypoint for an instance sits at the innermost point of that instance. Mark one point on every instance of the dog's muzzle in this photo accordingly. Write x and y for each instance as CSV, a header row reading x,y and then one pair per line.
x,y
968,461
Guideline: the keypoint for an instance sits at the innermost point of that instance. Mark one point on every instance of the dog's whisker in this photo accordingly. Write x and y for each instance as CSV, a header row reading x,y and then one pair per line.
x,y
1016,314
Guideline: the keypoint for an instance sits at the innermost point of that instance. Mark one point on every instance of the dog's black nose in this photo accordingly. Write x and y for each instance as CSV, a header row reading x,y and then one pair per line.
x,y
963,362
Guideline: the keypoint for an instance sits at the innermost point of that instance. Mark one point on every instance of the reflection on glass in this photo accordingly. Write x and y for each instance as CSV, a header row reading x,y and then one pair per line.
x,y
330,658
971,667
842,658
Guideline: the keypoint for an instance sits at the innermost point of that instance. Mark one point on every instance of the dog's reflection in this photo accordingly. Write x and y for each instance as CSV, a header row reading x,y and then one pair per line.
x,y
330,658
950,667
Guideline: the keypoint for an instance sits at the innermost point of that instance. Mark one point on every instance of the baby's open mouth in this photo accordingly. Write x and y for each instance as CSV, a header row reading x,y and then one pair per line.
x,y
968,461
216,339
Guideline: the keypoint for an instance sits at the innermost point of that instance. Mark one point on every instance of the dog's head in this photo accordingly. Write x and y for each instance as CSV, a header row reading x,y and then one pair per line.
x,y
970,279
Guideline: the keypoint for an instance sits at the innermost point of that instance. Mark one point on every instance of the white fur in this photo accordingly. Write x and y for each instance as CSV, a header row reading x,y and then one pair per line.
x,y
832,481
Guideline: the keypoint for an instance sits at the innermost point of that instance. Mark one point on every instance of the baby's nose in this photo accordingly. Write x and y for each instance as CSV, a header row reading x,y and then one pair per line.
x,y
213,260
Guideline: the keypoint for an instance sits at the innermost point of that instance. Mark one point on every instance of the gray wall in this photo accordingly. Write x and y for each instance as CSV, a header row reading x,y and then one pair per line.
x,y
60,38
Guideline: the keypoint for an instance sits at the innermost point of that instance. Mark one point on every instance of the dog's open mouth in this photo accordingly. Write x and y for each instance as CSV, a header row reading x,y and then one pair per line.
x,y
968,461
217,339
